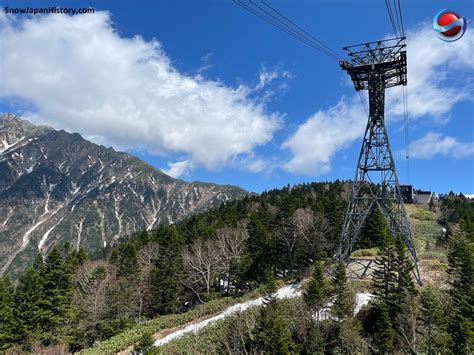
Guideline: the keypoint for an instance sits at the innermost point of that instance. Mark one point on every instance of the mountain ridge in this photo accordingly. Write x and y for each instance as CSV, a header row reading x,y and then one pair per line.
x,y
57,186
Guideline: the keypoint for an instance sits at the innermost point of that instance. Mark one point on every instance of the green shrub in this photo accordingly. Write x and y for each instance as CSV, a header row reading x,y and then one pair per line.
x,y
145,343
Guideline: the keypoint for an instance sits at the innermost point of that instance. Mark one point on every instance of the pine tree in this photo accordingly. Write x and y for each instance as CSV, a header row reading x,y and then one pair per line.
x,y
260,249
375,230
73,258
7,323
125,259
38,263
316,293
27,306
385,278
343,299
81,256
269,290
461,315
58,311
166,277
405,286
433,321
271,334
383,335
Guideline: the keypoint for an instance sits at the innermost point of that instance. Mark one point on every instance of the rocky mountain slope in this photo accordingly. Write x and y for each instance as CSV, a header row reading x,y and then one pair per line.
x,y
56,186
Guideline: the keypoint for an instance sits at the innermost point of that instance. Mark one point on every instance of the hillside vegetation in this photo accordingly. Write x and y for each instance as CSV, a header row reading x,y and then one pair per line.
x,y
158,279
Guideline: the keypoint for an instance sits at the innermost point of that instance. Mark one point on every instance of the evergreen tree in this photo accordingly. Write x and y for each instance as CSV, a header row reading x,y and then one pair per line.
x,y
125,259
27,306
404,270
260,248
38,263
461,315
269,290
432,205
343,299
375,231
81,256
73,258
346,329
7,323
166,277
433,321
385,278
271,334
382,338
58,311
393,281
316,293
145,344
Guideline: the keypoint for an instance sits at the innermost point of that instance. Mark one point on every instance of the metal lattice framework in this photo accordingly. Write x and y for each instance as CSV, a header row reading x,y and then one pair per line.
x,y
374,67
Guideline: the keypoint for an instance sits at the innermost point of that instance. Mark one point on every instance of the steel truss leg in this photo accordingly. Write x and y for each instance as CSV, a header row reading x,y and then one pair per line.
x,y
376,183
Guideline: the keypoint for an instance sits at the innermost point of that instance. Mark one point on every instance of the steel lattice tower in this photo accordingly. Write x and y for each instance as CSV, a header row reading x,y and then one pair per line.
x,y
374,67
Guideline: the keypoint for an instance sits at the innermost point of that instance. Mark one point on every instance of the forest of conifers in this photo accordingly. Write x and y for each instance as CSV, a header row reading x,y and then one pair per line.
x,y
70,300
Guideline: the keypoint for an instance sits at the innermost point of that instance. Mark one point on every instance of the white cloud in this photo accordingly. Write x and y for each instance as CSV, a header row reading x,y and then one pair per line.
x,y
252,163
83,76
179,168
205,63
432,63
435,144
265,78
317,140
432,90
275,76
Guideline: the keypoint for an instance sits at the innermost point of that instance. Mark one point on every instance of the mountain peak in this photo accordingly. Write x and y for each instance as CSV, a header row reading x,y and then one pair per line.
x,y
56,186
8,117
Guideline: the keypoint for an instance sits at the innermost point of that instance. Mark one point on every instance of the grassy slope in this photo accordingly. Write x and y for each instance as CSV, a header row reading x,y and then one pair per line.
x,y
424,225
131,336
425,228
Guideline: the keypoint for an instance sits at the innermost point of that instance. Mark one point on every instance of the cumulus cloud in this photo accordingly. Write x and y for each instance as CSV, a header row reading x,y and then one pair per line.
x,y
433,67
436,144
432,91
317,140
81,75
178,168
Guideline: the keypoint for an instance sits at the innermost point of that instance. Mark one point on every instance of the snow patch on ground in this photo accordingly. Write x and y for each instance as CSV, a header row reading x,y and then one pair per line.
x,y
362,299
285,292
7,146
45,235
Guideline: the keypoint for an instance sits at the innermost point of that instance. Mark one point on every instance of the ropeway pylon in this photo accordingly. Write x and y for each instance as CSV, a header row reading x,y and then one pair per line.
x,y
374,67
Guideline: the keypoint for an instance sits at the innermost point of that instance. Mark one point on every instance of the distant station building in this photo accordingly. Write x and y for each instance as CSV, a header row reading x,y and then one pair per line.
x,y
410,195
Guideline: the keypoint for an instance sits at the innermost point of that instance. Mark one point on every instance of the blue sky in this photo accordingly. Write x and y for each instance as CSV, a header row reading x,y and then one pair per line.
x,y
209,92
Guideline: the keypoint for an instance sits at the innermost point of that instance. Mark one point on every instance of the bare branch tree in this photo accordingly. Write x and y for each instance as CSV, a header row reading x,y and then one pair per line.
x,y
202,263
93,282
407,324
146,259
231,244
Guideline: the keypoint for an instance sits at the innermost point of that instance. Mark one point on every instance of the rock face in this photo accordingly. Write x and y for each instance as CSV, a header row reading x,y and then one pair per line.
x,y
56,187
